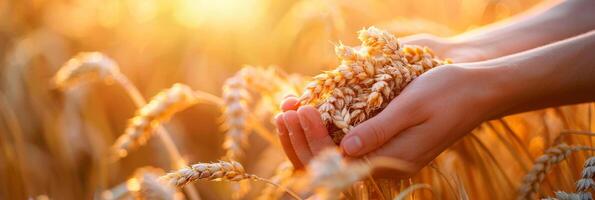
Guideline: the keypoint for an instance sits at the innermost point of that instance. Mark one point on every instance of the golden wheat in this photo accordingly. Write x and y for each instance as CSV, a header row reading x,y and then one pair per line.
x,y
239,94
161,108
86,66
145,185
586,184
329,174
220,171
366,80
531,181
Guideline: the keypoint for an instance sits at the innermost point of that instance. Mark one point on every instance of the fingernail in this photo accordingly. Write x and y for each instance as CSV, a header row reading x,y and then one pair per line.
x,y
352,145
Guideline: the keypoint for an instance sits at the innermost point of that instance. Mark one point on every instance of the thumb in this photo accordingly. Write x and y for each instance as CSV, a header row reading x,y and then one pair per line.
x,y
376,131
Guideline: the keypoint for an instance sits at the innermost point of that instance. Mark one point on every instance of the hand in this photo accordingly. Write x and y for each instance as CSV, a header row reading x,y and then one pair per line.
x,y
446,48
301,132
433,112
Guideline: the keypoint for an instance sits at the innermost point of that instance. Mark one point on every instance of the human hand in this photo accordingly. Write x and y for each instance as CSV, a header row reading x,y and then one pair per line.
x,y
458,51
432,112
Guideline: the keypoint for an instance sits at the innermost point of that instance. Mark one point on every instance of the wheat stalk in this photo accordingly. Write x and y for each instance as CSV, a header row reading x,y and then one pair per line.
x,y
553,155
160,108
366,80
283,175
220,171
90,66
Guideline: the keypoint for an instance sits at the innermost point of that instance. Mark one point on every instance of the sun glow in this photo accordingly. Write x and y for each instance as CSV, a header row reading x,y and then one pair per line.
x,y
194,13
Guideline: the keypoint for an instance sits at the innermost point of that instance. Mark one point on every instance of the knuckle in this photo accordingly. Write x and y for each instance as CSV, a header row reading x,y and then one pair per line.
x,y
379,134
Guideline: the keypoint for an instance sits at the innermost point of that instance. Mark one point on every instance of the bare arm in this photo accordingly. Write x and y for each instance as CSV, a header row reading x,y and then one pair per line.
x,y
540,26
557,74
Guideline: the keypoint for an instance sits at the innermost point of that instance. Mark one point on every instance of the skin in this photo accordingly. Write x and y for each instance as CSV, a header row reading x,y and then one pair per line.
x,y
444,104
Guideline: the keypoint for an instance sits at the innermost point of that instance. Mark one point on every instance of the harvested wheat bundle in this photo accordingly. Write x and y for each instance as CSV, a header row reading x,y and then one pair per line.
x,y
366,80
86,66
553,155
329,174
239,92
161,108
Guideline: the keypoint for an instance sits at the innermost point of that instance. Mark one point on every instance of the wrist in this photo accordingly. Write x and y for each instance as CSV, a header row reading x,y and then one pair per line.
x,y
498,93
461,50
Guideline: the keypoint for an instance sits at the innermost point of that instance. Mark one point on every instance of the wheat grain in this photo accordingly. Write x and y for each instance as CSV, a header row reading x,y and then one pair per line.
x,y
160,108
220,171
531,181
585,184
366,80
86,66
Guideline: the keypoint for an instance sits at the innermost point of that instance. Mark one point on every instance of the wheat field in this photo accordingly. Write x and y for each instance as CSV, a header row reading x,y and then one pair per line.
x,y
158,99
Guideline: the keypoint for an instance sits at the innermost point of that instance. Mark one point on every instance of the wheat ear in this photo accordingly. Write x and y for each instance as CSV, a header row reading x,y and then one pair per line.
x,y
366,80
220,171
86,66
89,66
553,155
239,93
585,184
161,108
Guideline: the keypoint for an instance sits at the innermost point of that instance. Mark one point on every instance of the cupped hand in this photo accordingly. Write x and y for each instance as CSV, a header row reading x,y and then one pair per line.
x,y
431,113
458,51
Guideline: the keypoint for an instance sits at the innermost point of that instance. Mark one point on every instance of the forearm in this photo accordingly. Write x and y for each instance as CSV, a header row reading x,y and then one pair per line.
x,y
536,28
557,74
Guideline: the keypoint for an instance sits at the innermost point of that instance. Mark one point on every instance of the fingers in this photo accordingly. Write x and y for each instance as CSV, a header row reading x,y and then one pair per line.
x,y
290,103
286,142
296,136
315,132
372,133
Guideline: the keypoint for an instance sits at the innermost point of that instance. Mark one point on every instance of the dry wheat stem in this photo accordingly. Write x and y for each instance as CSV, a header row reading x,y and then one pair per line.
x,y
366,80
409,190
95,65
283,175
219,171
531,181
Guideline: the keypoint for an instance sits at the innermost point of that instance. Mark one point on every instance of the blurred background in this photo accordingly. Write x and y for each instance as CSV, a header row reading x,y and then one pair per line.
x,y
52,142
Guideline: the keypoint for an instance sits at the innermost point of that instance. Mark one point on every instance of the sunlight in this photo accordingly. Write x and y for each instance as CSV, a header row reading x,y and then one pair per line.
x,y
195,13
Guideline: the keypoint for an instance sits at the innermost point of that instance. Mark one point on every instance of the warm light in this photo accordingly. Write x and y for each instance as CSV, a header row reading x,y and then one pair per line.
x,y
133,184
194,13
